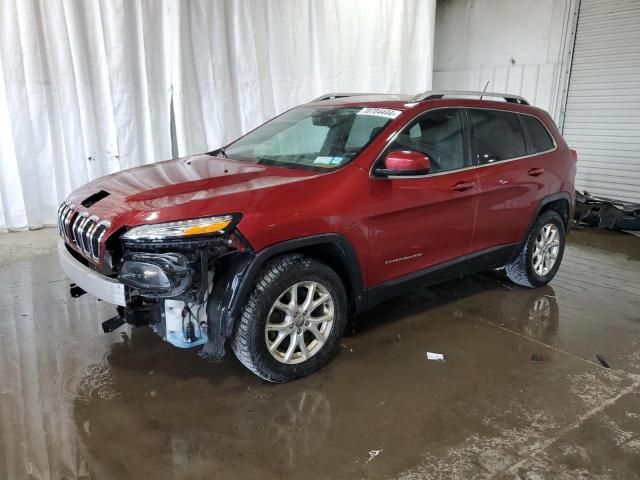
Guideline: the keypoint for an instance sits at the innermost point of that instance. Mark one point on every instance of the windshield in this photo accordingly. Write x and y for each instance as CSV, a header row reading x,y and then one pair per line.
x,y
315,138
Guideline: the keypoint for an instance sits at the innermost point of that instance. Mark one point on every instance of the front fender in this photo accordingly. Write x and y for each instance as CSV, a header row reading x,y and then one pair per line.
x,y
237,273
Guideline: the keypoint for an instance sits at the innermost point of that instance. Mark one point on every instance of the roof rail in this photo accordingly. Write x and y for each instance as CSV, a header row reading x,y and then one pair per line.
x,y
329,96
437,94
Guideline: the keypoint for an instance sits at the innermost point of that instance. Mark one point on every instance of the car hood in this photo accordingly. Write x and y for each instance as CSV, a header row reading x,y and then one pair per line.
x,y
188,187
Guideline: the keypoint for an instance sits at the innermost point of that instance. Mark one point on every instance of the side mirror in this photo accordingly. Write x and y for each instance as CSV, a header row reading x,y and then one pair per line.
x,y
404,163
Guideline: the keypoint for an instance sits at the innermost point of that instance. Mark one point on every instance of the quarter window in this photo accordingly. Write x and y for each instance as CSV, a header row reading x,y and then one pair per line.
x,y
437,134
539,138
497,134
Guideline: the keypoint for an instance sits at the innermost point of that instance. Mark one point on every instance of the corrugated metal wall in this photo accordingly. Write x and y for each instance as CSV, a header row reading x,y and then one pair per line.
x,y
536,83
482,43
602,119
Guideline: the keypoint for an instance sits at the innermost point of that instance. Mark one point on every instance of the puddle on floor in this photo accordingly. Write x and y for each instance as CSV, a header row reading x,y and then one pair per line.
x,y
77,403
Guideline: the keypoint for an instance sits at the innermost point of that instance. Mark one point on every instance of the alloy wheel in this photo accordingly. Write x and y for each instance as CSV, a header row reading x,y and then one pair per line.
x,y
299,322
546,249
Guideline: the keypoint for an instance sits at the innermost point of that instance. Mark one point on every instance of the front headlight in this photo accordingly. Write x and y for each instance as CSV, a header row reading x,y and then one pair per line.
x,y
182,229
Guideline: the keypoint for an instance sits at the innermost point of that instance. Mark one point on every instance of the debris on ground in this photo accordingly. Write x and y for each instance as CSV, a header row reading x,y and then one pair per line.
x,y
602,361
536,357
601,212
373,454
438,357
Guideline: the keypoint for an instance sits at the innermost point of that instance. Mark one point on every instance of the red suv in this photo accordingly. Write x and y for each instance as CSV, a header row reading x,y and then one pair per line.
x,y
274,241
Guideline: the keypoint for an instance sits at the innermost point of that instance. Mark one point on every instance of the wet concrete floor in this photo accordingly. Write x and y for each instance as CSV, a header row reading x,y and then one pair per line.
x,y
521,395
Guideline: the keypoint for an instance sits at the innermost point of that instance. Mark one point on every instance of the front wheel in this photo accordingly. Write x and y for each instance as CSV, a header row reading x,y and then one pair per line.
x,y
293,320
540,257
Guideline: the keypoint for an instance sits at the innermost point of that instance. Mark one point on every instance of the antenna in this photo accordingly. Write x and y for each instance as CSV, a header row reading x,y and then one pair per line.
x,y
485,88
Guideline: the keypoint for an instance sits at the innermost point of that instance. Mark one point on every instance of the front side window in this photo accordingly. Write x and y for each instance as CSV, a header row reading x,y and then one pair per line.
x,y
315,138
539,137
497,134
437,134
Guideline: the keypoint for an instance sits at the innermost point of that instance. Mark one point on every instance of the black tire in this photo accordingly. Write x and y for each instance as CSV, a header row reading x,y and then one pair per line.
x,y
521,270
249,343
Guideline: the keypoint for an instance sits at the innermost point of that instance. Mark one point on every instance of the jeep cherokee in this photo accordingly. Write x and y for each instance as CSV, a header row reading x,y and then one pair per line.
x,y
272,243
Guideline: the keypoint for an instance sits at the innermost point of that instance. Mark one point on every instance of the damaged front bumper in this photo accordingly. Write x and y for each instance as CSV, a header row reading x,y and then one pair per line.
x,y
105,288
183,290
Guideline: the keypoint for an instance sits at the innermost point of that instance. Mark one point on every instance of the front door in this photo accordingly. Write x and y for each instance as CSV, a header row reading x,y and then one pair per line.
x,y
424,222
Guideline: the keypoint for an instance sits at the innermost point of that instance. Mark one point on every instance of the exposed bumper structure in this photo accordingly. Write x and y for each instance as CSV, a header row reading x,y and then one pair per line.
x,y
600,212
104,288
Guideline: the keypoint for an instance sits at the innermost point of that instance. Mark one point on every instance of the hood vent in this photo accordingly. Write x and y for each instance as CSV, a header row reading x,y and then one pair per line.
x,y
93,199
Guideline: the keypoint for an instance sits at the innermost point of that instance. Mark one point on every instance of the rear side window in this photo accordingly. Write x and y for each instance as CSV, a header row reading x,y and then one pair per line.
x,y
498,135
539,138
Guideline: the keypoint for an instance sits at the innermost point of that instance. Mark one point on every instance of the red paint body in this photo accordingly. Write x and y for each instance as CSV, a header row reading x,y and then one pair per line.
x,y
431,219
402,160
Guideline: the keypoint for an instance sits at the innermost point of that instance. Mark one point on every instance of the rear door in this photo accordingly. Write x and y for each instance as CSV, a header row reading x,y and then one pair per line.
x,y
512,178
424,221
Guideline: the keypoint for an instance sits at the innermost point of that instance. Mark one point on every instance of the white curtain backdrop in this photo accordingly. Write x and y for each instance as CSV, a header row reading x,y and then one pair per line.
x,y
92,87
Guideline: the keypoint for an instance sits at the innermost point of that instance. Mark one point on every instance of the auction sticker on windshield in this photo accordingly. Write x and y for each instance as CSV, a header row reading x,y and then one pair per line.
x,y
380,112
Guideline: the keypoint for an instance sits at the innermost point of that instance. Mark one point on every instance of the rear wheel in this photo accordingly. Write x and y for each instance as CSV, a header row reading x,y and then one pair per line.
x,y
293,320
540,257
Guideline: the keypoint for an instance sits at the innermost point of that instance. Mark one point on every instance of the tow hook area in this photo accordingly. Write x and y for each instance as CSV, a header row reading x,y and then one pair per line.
x,y
114,322
138,314
75,291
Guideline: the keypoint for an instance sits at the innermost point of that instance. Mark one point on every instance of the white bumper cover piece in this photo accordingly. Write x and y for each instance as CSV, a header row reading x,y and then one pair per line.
x,y
104,288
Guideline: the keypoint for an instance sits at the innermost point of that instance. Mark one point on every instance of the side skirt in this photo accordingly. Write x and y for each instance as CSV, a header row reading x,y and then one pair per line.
x,y
457,268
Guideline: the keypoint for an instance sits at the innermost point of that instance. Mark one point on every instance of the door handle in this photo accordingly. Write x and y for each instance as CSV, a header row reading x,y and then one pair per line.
x,y
536,171
462,186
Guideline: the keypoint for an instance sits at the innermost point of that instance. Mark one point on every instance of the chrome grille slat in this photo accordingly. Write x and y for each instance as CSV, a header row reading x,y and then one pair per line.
x,y
59,217
66,212
76,228
66,220
98,234
64,224
62,210
86,232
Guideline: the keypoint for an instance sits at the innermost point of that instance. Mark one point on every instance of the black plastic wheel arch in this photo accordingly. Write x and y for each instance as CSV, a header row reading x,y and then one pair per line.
x,y
238,271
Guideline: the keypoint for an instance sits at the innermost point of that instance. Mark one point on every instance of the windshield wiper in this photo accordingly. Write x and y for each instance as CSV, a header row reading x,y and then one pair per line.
x,y
266,161
218,153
